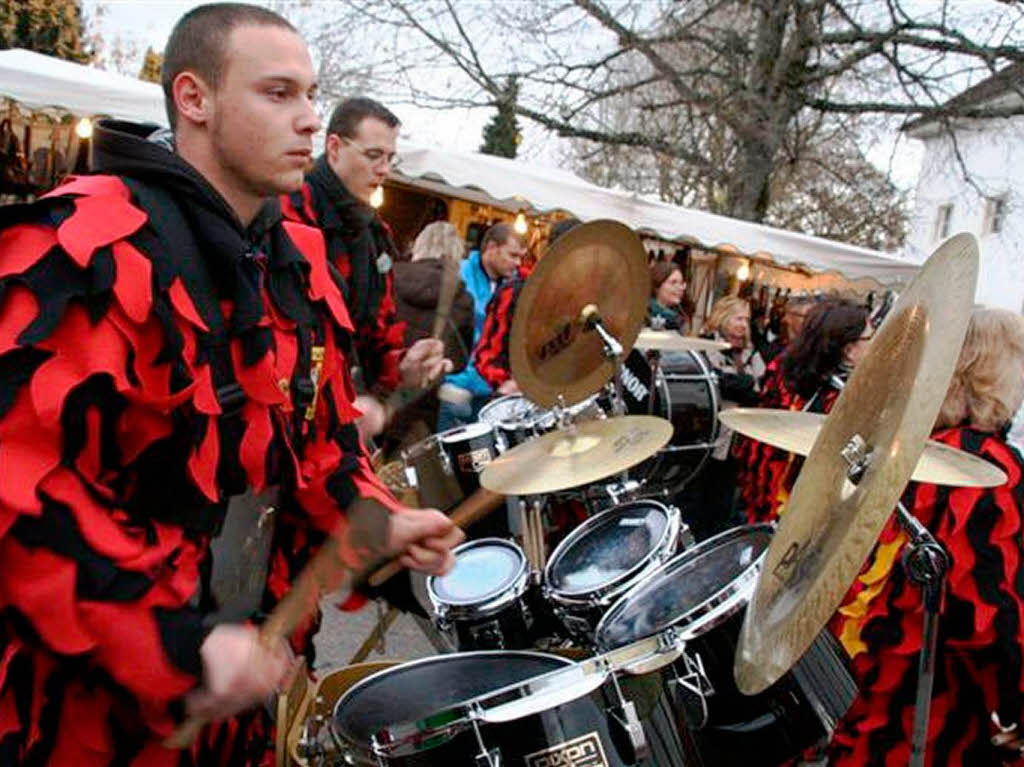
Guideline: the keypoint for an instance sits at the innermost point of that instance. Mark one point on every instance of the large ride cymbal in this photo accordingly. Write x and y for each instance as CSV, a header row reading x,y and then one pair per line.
x,y
552,354
886,412
584,453
795,431
670,341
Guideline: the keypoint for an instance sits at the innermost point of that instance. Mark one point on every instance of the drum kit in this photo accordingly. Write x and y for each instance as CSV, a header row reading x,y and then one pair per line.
x,y
630,644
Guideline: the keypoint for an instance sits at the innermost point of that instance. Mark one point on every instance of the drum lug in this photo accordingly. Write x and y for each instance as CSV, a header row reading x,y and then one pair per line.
x,y
627,733
691,690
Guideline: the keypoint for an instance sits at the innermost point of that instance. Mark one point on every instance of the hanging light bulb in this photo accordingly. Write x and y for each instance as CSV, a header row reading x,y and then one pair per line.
x,y
743,273
84,128
520,223
377,198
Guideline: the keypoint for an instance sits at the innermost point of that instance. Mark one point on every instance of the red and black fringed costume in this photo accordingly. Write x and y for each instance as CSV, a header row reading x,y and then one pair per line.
x,y
360,247
491,353
767,474
979,667
155,360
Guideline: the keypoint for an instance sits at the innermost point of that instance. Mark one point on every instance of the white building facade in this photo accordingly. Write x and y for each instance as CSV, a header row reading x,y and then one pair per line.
x,y
987,200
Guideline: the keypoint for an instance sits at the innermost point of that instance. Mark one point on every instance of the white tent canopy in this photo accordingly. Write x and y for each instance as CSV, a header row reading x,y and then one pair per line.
x,y
511,183
41,82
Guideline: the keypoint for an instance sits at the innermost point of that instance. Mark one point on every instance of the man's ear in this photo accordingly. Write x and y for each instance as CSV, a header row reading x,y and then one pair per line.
x,y
332,146
193,98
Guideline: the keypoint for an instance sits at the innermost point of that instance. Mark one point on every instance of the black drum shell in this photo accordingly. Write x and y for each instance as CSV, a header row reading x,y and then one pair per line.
x,y
414,690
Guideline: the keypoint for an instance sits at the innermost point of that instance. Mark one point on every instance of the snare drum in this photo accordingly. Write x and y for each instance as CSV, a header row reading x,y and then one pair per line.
x,y
445,468
367,718
481,604
686,393
703,593
605,556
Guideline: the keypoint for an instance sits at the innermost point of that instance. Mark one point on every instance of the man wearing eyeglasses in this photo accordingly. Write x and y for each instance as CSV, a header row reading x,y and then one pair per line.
x,y
359,152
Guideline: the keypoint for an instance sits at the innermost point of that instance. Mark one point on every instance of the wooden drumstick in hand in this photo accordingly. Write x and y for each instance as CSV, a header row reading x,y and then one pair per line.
x,y
327,572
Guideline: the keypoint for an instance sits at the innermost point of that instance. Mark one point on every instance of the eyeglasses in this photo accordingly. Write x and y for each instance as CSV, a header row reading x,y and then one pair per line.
x,y
375,156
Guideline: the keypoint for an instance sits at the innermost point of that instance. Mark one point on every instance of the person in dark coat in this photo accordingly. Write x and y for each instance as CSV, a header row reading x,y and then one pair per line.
x,y
417,291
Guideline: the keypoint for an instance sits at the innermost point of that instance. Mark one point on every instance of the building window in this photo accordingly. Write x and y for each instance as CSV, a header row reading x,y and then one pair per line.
x,y
943,219
995,214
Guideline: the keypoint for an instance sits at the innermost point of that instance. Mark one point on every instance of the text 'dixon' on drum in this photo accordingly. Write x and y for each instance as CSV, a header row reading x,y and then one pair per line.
x,y
574,732
703,593
685,392
606,555
481,603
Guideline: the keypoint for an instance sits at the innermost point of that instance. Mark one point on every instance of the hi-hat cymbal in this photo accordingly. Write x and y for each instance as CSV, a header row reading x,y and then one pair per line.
x,y
587,452
551,353
795,431
880,424
670,341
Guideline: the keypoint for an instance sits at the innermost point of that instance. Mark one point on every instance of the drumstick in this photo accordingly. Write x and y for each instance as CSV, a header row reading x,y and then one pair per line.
x,y
446,295
402,398
326,572
476,507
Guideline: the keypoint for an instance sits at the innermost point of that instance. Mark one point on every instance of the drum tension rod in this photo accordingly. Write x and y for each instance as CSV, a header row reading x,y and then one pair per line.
x,y
486,758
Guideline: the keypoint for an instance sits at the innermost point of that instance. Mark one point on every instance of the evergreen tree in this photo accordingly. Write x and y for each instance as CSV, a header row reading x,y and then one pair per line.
x,y
151,64
53,27
501,134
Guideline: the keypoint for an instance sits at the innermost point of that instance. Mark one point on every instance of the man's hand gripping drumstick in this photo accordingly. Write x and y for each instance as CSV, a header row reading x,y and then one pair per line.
x,y
243,666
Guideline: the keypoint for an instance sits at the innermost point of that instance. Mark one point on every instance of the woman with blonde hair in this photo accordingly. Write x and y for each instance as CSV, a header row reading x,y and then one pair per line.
x,y
417,291
709,505
979,669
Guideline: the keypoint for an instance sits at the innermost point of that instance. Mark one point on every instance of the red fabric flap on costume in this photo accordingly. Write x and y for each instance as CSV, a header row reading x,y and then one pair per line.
x,y
97,221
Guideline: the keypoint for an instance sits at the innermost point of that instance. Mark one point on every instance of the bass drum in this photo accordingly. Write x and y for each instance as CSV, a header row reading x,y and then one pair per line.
x,y
685,392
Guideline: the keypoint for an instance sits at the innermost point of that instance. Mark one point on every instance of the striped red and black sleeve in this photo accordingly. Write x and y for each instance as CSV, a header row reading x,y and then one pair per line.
x,y
491,355
87,580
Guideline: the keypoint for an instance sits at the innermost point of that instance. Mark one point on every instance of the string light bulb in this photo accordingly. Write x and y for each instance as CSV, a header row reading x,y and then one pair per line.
x,y
743,273
84,128
520,223
377,198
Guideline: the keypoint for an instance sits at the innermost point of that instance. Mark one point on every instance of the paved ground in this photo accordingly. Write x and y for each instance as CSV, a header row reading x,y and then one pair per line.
x,y
343,633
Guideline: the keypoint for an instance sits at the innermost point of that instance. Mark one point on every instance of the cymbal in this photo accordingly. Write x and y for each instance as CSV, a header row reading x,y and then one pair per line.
x,y
551,352
669,340
795,431
587,452
879,423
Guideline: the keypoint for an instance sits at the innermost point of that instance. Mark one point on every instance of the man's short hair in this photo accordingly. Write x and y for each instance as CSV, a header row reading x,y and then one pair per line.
x,y
498,234
199,41
349,113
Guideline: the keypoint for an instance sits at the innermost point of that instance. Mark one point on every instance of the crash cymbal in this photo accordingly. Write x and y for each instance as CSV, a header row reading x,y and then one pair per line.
x,y
587,452
669,340
795,431
879,424
551,353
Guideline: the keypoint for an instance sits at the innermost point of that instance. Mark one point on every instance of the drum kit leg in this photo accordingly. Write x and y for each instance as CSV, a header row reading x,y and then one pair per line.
x,y
664,651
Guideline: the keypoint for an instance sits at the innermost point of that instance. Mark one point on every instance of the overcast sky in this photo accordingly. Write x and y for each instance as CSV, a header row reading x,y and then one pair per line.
x,y
148,23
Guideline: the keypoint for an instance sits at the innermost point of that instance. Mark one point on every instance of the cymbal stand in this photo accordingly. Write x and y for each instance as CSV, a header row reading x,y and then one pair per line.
x,y
927,564
654,361
612,350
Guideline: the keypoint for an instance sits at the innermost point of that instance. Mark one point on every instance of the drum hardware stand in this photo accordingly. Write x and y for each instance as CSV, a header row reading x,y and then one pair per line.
x,y
654,361
486,758
309,746
619,492
624,724
691,690
926,563
612,350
